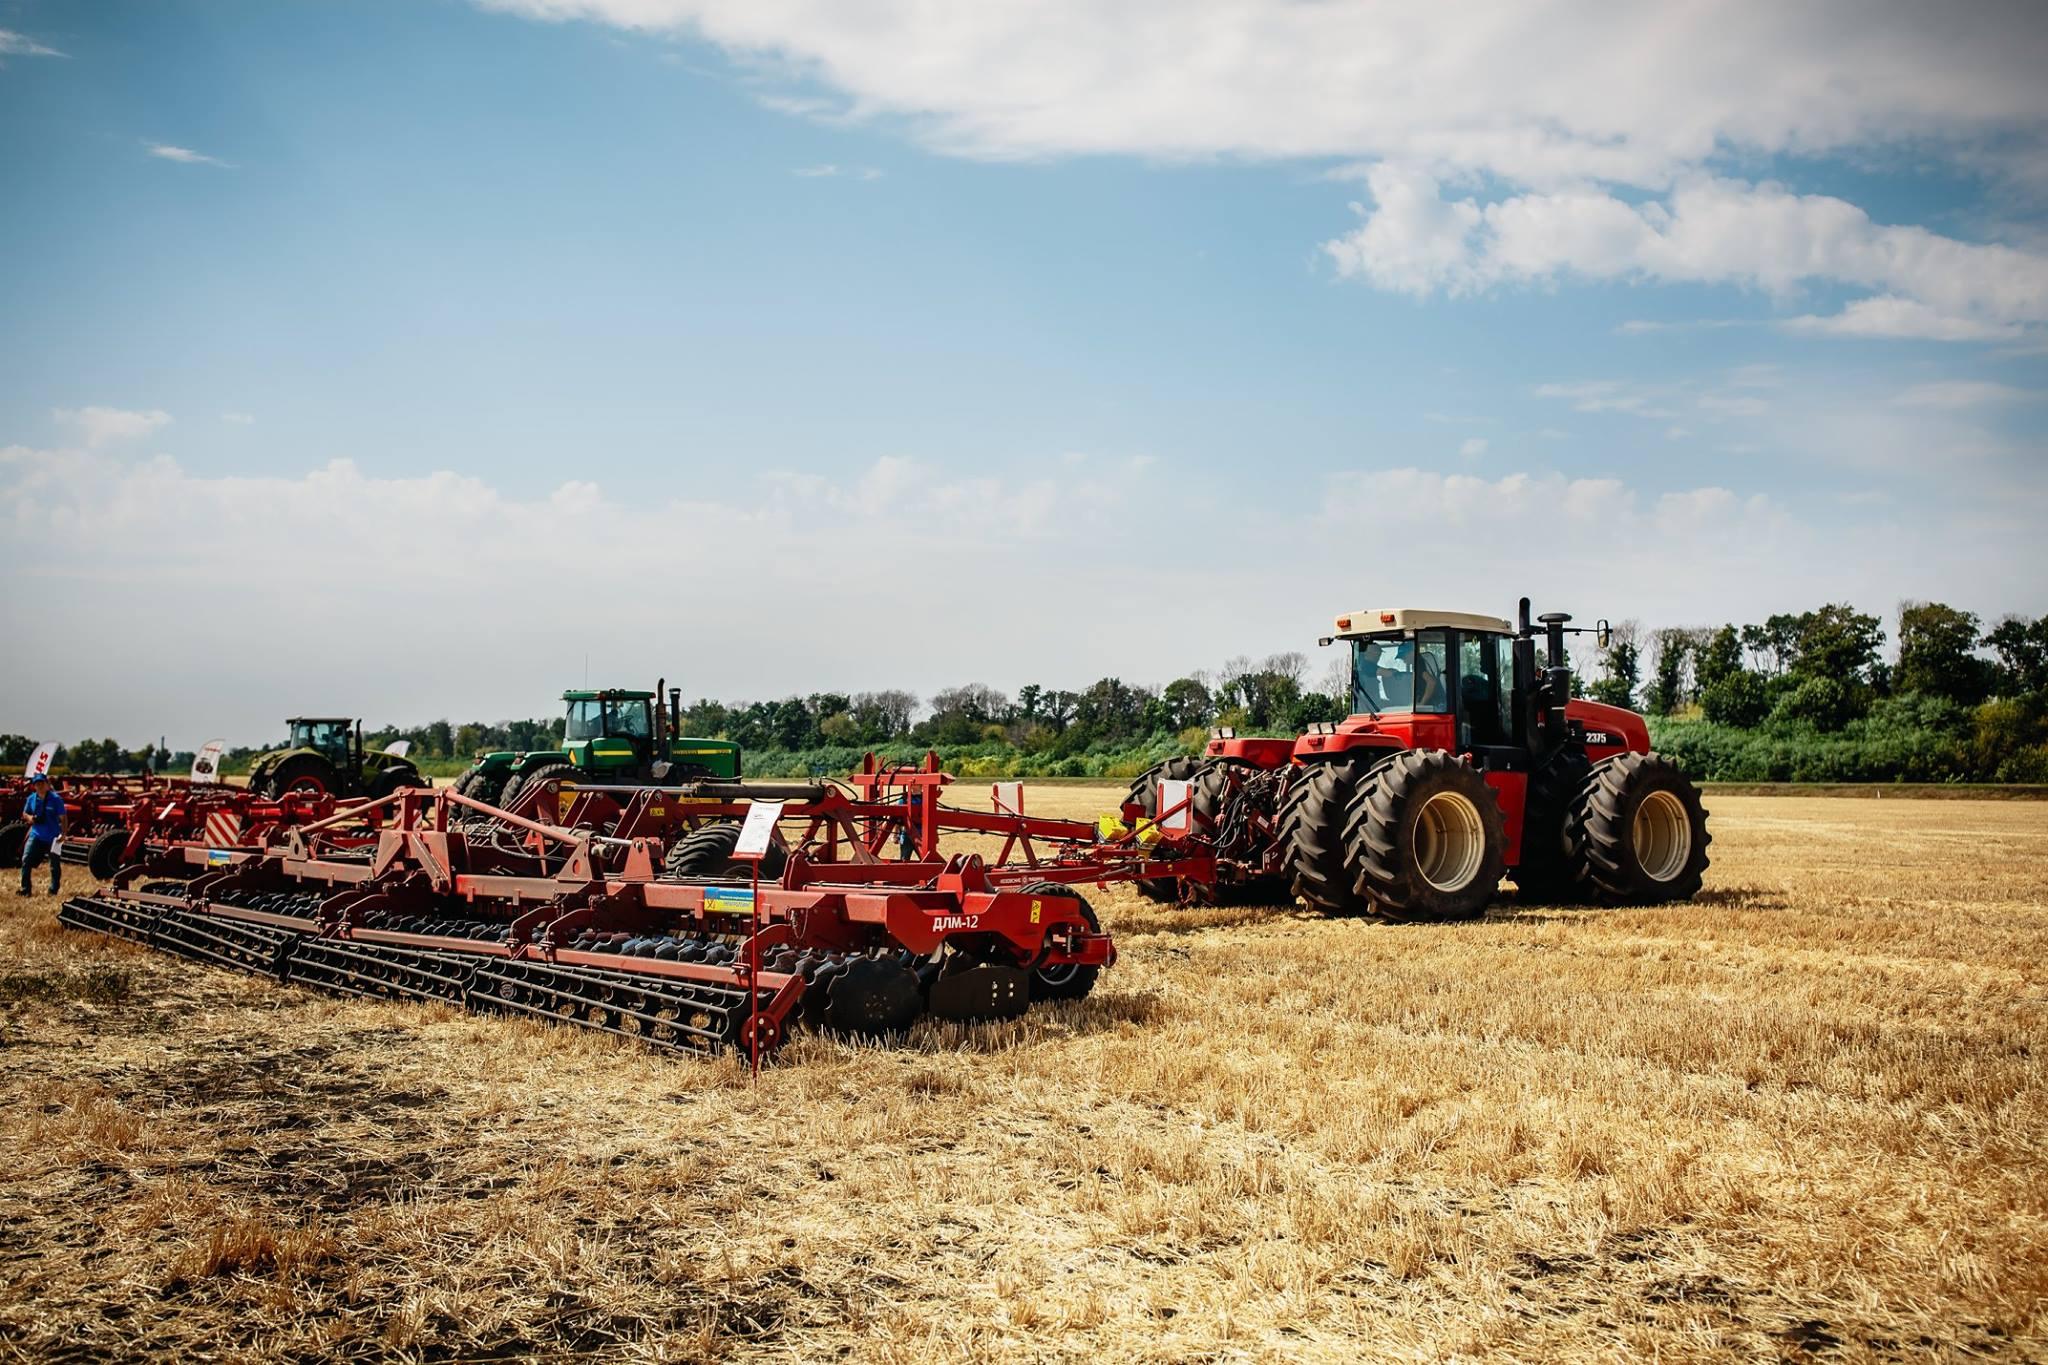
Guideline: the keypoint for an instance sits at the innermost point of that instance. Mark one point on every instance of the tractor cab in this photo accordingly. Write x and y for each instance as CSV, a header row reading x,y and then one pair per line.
x,y
335,739
1472,685
1439,671
610,730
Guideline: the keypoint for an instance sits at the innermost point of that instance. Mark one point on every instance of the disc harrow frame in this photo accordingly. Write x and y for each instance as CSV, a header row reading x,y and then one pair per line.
x,y
432,896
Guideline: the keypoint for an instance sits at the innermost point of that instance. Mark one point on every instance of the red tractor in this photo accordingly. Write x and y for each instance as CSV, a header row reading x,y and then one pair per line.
x,y
1465,760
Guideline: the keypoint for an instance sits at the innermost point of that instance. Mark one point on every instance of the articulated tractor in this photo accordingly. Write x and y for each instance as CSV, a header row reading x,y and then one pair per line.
x,y
1465,759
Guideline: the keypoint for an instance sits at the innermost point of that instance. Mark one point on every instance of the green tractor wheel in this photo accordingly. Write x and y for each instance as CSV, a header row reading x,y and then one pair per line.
x,y
307,773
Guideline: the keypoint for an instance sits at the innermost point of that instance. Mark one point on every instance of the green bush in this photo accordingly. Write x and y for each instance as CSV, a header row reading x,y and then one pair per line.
x,y
1740,698
1823,703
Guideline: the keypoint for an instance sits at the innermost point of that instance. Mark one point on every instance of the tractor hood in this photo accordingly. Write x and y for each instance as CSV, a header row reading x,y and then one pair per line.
x,y
262,765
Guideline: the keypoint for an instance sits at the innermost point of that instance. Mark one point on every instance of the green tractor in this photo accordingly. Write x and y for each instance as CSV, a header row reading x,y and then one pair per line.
x,y
616,735
326,755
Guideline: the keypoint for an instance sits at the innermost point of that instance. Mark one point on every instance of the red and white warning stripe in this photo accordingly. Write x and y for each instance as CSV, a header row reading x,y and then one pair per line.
x,y
223,827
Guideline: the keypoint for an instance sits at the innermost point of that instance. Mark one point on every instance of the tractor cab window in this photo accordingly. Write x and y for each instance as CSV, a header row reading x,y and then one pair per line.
x,y
1396,674
329,737
586,720
628,718
1485,692
1383,675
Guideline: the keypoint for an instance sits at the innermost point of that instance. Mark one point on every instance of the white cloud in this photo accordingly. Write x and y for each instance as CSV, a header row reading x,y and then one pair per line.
x,y
829,172
99,426
1608,395
1707,231
14,44
1888,316
1538,91
238,419
1963,393
1473,447
183,155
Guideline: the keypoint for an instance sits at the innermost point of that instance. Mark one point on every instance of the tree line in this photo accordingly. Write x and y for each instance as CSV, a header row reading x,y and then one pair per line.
x,y
1811,696
1798,696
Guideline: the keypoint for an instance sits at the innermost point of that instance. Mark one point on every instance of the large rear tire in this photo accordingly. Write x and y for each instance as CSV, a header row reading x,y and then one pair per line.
x,y
1426,838
1641,830
1311,830
1068,981
1145,792
1552,868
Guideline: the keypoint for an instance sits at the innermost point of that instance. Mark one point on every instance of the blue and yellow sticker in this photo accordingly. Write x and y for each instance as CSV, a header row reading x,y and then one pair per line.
x,y
722,900
218,857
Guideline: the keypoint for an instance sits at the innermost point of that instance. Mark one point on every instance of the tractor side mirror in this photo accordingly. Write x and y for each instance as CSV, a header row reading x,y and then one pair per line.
x,y
1603,632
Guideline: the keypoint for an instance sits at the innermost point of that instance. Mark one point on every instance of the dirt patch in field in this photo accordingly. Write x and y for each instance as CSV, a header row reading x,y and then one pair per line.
x,y
1802,1118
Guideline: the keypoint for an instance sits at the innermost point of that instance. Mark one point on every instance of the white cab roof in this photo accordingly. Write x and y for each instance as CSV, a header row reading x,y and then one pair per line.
x,y
1385,620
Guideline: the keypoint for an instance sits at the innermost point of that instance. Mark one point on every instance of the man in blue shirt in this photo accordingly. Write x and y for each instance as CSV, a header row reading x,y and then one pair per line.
x,y
44,810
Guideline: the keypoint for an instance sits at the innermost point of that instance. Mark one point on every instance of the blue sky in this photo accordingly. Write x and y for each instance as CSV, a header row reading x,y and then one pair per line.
x,y
349,349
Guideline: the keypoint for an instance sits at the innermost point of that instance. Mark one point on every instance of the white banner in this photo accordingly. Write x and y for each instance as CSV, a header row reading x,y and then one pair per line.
x,y
206,763
759,830
1009,798
398,748
39,761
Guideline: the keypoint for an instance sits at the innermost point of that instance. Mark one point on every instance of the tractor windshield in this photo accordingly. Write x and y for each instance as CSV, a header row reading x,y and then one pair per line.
x,y
596,719
329,737
1397,673
586,720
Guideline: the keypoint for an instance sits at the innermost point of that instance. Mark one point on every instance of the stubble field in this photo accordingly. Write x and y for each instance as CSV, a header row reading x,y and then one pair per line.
x,y
1803,1117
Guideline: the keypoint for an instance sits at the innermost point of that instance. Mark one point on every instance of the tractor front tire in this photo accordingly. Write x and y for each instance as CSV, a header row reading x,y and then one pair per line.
x,y
1145,793
1069,981
1641,830
306,773
1312,830
13,840
1552,868
1426,838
